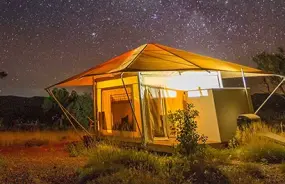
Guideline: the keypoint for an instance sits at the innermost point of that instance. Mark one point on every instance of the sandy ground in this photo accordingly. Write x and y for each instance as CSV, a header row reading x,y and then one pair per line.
x,y
45,164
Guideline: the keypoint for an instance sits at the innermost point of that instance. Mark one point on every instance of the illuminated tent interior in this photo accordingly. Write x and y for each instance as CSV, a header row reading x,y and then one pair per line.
x,y
134,92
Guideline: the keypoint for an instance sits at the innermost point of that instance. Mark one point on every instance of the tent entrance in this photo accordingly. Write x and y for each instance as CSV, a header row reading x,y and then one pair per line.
x,y
116,105
122,113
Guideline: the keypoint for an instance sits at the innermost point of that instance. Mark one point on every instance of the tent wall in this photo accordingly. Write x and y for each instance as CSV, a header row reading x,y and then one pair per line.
x,y
218,112
207,121
229,104
112,100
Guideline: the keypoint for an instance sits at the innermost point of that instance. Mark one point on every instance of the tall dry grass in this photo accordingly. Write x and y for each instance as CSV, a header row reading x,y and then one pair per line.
x,y
42,137
253,132
250,145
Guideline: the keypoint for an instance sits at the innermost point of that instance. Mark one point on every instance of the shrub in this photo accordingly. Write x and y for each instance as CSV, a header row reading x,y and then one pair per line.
x,y
183,124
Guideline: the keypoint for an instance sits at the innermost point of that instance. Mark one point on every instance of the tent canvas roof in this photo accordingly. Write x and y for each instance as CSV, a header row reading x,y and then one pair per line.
x,y
156,57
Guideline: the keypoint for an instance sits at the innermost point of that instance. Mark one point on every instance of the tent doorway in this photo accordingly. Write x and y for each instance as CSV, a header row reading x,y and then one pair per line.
x,y
119,113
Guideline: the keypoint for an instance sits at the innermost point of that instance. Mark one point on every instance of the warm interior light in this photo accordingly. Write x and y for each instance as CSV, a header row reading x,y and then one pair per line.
x,y
185,81
198,93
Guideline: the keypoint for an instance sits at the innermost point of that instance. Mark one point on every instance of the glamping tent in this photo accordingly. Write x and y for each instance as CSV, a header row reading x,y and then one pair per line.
x,y
134,92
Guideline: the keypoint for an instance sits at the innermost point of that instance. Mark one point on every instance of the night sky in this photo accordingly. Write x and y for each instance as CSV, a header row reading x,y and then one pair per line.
x,y
45,41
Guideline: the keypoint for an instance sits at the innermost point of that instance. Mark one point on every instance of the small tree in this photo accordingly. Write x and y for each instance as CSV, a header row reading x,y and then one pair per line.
x,y
184,126
274,63
51,107
81,106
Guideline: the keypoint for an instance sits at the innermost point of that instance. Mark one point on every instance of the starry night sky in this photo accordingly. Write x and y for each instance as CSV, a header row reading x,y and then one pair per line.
x,y
45,41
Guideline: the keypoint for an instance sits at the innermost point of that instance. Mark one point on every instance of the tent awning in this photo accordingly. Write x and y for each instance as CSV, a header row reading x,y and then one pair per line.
x,y
156,57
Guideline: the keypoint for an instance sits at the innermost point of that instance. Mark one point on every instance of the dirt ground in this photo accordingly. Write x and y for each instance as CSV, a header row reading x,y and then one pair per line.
x,y
36,165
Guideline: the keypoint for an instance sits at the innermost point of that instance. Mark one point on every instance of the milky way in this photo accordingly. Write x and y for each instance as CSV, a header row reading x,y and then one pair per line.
x,y
45,41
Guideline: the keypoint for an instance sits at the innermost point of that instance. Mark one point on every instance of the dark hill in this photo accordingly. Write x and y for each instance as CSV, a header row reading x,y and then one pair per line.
x,y
13,107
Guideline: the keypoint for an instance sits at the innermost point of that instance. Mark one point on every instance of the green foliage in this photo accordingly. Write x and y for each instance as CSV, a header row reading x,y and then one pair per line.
x,y
107,160
81,106
272,62
110,164
183,124
63,97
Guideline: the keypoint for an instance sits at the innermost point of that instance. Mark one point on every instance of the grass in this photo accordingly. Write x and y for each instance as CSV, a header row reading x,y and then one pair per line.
x,y
245,134
258,150
250,160
110,164
250,146
262,150
241,163
36,138
243,173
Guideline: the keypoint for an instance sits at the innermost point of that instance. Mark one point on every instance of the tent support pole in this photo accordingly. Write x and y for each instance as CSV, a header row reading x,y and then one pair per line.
x,y
133,110
245,88
95,107
144,138
270,95
220,79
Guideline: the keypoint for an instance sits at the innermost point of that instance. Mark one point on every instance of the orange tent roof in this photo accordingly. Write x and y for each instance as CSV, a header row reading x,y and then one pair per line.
x,y
155,57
